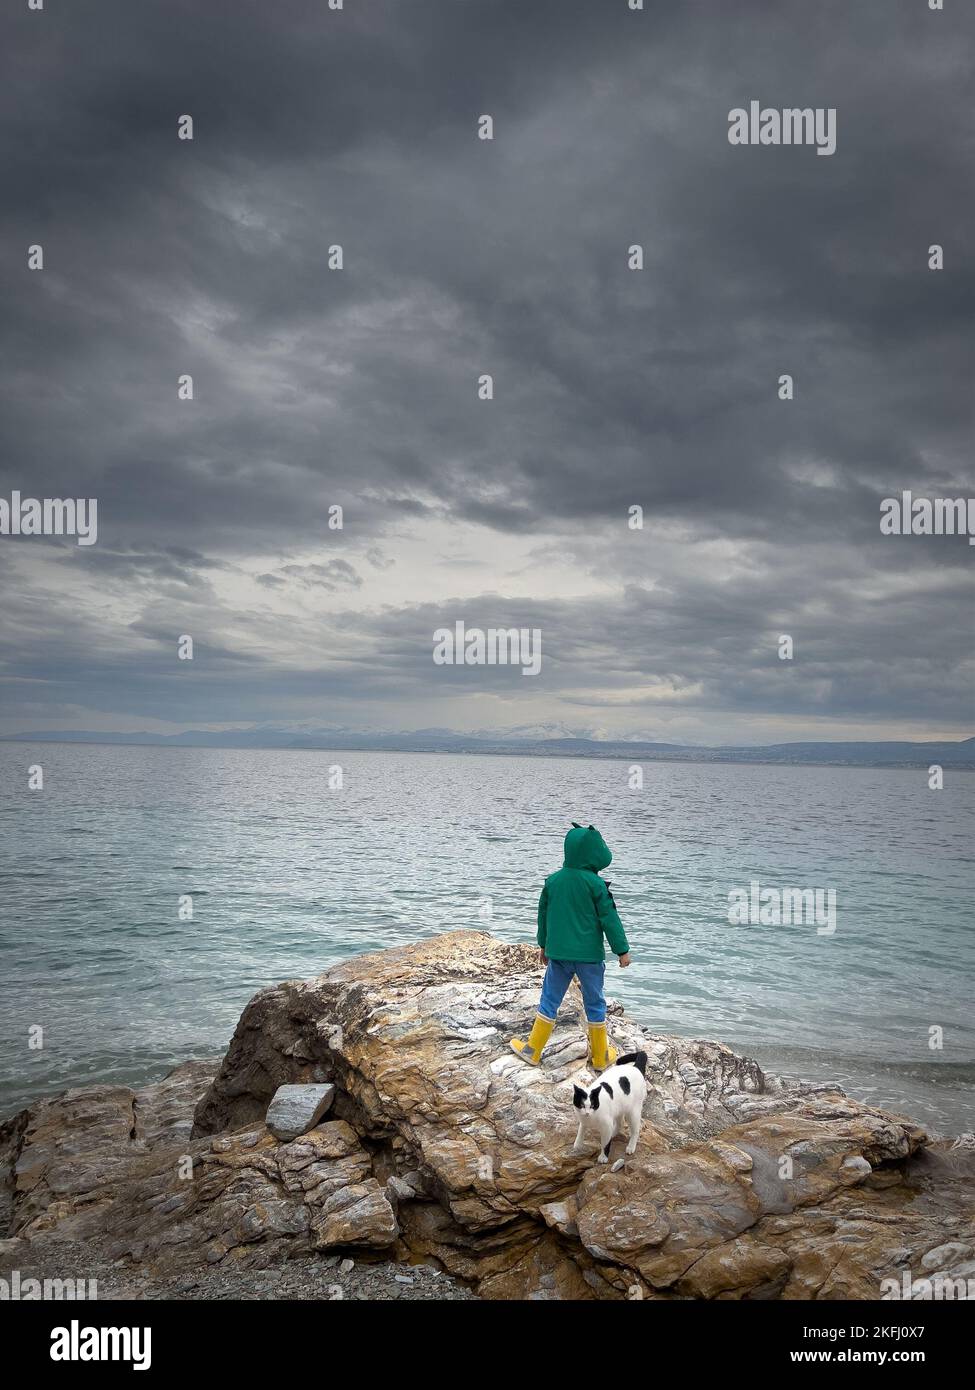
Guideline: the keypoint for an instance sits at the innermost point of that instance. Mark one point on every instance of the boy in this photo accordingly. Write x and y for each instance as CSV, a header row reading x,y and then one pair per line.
x,y
575,911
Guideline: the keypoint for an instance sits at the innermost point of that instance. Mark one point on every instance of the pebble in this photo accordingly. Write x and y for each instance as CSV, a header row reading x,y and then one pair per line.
x,y
309,1276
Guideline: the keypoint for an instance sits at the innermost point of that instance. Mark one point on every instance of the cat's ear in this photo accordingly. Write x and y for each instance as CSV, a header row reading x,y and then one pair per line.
x,y
592,827
576,825
578,1096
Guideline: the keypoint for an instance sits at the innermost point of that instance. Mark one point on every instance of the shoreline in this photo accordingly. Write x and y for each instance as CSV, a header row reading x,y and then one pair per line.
x,y
422,1143
494,752
775,1058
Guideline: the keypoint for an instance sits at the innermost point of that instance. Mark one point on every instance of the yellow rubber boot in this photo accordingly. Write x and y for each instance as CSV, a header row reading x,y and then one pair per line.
x,y
531,1050
602,1054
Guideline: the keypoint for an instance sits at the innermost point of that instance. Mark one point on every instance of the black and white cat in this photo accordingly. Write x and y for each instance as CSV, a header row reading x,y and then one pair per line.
x,y
615,1100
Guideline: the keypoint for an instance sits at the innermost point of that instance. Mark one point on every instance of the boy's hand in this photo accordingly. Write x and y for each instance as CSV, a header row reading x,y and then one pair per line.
x,y
624,960
542,957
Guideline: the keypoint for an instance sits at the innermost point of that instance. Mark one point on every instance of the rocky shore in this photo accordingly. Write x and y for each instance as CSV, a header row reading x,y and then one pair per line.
x,y
441,1166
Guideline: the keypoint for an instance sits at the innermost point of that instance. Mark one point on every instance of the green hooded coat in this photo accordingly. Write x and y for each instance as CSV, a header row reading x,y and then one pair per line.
x,y
576,909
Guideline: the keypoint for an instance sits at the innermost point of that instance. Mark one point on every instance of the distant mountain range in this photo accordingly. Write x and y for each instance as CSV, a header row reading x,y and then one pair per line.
x,y
544,740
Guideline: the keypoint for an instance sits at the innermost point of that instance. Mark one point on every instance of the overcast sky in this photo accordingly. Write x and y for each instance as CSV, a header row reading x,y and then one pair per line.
x,y
613,387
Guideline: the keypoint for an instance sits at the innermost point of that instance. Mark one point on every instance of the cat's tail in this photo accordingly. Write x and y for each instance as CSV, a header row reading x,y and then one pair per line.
x,y
634,1059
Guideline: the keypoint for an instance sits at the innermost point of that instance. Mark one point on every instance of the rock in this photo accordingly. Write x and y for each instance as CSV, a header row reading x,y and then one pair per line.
x,y
164,1111
944,1256
856,1164
561,1216
442,1145
357,1214
294,1110
400,1188
725,1196
239,1198
73,1149
347,1266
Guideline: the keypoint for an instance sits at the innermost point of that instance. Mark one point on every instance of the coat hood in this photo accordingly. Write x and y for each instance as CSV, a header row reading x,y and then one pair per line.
x,y
585,848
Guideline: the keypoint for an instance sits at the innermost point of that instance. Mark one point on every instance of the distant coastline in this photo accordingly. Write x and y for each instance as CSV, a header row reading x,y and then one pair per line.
x,y
958,755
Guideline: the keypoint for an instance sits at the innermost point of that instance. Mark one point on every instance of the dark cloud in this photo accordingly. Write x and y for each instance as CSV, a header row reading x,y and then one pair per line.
x,y
612,387
173,563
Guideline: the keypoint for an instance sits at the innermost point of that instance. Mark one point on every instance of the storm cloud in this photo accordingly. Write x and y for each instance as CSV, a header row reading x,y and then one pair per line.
x,y
316,388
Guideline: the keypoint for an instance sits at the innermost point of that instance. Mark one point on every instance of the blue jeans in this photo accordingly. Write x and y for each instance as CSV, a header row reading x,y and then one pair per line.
x,y
558,977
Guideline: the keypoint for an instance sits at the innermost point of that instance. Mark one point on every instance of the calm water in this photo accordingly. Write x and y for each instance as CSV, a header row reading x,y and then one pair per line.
x,y
288,876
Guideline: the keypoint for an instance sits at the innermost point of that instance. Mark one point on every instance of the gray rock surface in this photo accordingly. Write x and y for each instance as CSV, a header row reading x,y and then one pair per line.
x,y
294,1110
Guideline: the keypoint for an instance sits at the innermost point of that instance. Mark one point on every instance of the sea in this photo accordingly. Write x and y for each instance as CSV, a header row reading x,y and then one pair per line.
x,y
148,892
